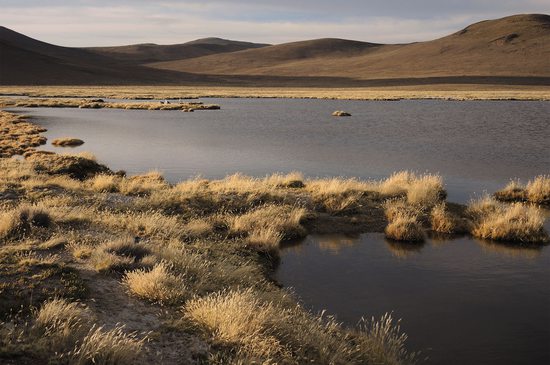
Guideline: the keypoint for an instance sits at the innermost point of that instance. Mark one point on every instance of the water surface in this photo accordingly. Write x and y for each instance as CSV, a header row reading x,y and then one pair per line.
x,y
461,301
475,145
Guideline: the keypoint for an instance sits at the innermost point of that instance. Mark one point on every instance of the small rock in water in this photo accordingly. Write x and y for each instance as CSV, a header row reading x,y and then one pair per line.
x,y
341,113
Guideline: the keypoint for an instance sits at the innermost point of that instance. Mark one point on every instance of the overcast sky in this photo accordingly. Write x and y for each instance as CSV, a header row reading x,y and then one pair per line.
x,y
103,23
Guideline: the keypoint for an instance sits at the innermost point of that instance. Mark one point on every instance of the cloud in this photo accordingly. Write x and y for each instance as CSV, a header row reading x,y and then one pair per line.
x,y
89,23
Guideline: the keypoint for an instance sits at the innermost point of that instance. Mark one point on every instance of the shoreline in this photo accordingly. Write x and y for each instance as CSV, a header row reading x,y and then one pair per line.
x,y
420,92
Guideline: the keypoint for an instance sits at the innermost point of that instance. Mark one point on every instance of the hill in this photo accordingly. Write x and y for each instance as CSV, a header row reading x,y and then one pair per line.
x,y
512,46
27,61
148,52
511,50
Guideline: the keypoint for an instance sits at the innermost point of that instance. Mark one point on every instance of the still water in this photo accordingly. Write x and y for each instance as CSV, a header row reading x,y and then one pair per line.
x,y
462,301
476,145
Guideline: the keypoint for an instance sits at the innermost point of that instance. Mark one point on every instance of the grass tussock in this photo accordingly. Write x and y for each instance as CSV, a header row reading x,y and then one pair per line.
x,y
105,183
19,222
17,136
237,318
268,225
76,166
535,191
263,332
67,142
538,190
405,226
159,284
514,222
404,221
63,322
423,189
339,196
107,347
443,221
65,332
115,256
142,184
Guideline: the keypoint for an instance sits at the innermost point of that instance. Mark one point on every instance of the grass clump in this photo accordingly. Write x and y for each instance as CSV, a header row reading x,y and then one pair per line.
x,y
115,256
158,285
266,226
67,142
424,189
76,166
63,322
107,347
19,222
515,222
405,226
404,222
237,318
443,221
536,191
265,332
142,184
105,183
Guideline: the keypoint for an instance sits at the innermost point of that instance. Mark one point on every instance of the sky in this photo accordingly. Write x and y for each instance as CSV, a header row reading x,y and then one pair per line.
x,y
106,23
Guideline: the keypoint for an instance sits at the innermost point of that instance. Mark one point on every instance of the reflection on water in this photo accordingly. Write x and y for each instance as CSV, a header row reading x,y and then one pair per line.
x,y
330,243
512,250
403,250
462,301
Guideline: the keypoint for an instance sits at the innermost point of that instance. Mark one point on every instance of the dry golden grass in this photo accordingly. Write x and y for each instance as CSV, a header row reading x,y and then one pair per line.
x,y
17,136
446,92
19,222
443,221
425,189
63,322
88,104
142,184
67,142
263,332
158,285
105,262
107,347
405,226
150,224
516,222
76,166
118,255
536,191
105,183
126,247
237,318
81,251
268,225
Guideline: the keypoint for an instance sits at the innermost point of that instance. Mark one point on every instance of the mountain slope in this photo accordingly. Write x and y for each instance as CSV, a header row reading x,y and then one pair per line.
x,y
512,46
148,52
27,61
511,50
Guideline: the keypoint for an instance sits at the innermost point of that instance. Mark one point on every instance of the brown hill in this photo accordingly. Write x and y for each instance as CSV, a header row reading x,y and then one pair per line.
x,y
511,50
149,52
27,61
512,46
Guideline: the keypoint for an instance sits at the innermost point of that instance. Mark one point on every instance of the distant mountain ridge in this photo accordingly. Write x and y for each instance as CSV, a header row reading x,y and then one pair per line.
x,y
150,52
513,49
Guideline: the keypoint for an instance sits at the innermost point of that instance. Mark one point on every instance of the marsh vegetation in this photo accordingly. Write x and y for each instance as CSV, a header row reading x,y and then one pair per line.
x,y
73,232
